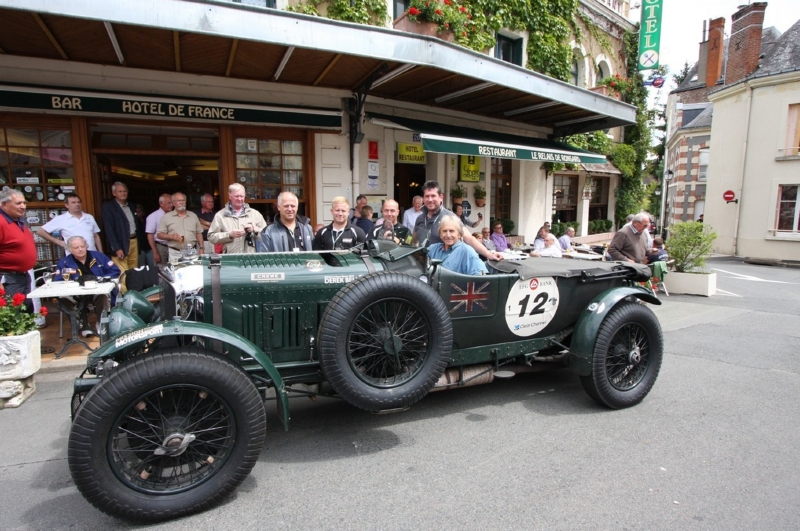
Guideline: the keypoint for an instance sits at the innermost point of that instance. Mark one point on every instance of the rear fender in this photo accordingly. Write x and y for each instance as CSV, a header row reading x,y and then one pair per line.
x,y
588,325
132,340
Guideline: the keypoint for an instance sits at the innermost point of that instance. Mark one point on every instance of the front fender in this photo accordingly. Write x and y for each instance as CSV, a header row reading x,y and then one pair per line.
x,y
136,338
588,325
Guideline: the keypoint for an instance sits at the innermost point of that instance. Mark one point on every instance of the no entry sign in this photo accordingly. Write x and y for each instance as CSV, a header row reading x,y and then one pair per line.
x,y
728,195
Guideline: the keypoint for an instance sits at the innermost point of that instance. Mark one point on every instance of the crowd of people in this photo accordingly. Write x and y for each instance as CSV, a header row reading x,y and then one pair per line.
x,y
164,235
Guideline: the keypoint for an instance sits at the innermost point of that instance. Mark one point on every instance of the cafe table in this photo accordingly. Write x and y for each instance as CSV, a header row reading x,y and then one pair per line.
x,y
65,289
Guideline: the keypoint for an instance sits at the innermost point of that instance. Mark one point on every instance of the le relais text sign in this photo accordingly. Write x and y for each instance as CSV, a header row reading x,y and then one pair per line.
x,y
91,103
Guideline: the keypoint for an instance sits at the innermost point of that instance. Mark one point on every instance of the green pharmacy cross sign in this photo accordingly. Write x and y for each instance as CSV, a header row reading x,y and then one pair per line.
x,y
650,34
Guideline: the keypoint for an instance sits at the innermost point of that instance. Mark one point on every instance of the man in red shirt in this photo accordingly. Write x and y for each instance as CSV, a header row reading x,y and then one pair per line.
x,y
17,250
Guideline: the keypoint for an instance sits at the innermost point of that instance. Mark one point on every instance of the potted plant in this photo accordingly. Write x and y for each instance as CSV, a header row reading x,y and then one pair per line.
x,y
689,245
457,194
20,350
480,195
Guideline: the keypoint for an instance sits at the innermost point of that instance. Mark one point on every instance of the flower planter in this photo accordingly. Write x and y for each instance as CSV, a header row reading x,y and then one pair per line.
x,y
602,90
431,29
480,202
458,200
704,284
20,358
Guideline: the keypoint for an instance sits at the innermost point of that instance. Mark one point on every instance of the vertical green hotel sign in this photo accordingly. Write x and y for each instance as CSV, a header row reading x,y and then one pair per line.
x,y
650,34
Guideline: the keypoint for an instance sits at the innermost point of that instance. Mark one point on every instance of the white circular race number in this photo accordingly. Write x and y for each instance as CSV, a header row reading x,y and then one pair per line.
x,y
531,305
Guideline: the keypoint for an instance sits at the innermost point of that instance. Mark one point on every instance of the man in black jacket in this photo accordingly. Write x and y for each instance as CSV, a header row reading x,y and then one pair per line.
x,y
340,234
291,232
121,227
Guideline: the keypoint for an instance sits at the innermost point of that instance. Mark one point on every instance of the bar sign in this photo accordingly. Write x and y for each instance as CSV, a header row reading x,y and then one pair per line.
x,y
650,34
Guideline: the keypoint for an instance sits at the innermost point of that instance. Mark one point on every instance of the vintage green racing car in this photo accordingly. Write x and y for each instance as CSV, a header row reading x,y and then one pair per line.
x,y
169,414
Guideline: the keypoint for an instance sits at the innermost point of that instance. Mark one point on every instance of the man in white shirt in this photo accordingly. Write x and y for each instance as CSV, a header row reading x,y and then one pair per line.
x,y
410,216
550,249
159,247
75,222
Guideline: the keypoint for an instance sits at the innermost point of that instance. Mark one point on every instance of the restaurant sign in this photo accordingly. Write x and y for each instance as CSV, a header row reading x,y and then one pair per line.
x,y
410,153
78,102
467,146
650,34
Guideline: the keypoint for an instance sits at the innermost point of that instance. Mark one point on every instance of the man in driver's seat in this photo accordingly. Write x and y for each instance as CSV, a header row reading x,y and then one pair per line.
x,y
456,255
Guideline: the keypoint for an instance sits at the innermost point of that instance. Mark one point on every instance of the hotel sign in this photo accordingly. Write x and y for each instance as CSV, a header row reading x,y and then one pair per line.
x,y
410,153
91,103
650,34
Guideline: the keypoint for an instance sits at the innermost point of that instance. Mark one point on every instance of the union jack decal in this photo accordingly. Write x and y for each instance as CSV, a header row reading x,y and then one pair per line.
x,y
468,296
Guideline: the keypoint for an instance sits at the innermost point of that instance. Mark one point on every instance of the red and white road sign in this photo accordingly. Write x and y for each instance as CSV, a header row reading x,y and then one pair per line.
x,y
729,195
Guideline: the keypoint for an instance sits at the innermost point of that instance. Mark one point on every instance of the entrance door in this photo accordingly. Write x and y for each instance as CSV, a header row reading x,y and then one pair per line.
x,y
408,181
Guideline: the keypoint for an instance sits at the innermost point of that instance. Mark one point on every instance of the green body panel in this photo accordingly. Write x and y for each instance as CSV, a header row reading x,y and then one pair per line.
x,y
585,333
136,338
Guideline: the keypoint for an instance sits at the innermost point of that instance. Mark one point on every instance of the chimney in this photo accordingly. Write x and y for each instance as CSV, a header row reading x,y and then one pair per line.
x,y
716,40
744,46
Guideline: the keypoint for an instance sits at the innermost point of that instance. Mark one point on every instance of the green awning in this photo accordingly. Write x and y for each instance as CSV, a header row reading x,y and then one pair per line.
x,y
440,138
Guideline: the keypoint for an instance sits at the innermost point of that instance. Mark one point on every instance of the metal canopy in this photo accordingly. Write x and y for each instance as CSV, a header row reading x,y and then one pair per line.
x,y
441,138
238,41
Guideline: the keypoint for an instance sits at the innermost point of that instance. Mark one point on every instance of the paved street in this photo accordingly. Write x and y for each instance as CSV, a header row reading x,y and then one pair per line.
x,y
714,446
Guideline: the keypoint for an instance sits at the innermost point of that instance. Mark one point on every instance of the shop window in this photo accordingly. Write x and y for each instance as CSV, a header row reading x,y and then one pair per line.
x,y
598,203
508,49
788,209
500,192
565,198
267,167
38,163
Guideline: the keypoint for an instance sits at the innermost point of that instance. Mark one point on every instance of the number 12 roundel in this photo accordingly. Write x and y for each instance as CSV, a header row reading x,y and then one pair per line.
x,y
531,305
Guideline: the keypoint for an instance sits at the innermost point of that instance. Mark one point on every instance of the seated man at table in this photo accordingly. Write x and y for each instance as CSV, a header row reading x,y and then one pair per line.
x,y
456,255
551,248
657,253
89,265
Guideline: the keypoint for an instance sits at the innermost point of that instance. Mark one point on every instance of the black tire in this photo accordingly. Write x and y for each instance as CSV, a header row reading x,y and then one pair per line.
x,y
385,340
626,358
150,407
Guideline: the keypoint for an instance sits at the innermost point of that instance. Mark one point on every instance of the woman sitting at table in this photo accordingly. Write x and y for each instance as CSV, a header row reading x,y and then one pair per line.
x,y
498,238
90,265
456,255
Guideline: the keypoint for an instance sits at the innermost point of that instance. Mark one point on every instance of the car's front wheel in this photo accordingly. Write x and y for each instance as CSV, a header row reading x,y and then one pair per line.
x,y
385,340
627,356
166,435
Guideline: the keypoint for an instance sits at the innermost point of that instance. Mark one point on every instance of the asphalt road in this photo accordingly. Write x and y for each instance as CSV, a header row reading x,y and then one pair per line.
x,y
714,445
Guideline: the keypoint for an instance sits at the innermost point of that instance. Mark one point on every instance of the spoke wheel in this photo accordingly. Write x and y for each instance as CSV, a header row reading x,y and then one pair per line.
x,y
171,439
166,434
627,356
385,340
388,343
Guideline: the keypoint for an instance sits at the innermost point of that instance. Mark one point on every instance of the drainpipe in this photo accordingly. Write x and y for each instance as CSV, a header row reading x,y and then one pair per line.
x,y
744,166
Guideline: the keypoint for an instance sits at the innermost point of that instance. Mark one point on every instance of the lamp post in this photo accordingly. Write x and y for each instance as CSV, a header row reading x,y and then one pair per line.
x,y
664,193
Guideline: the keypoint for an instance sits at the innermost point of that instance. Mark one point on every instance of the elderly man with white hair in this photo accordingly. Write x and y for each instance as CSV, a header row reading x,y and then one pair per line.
x,y
630,242
550,249
233,224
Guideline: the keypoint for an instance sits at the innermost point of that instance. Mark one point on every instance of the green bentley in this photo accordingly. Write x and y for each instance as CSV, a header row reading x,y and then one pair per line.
x,y
169,413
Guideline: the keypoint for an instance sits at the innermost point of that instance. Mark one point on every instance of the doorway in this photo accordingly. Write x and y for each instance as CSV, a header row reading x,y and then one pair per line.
x,y
408,181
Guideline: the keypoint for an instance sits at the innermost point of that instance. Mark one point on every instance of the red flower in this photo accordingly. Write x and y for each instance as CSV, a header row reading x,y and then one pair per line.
x,y
2,291
17,299
462,9
469,16
618,76
43,311
655,279
414,11
447,25
613,84
2,302
448,2
474,28
463,33
438,11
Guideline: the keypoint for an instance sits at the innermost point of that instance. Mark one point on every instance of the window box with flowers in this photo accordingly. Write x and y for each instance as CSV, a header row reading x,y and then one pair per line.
x,y
20,350
616,86
447,20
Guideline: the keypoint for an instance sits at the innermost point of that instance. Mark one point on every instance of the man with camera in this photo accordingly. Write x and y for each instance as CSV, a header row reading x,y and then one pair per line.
x,y
180,228
237,225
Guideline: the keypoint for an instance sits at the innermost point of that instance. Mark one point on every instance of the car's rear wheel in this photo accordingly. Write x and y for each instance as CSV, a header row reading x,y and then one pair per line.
x,y
627,356
385,340
166,435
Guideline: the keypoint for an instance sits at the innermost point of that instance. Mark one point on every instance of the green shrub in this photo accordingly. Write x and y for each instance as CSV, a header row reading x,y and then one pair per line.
x,y
690,244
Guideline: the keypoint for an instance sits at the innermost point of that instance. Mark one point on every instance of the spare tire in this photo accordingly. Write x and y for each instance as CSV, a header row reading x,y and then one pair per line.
x,y
384,341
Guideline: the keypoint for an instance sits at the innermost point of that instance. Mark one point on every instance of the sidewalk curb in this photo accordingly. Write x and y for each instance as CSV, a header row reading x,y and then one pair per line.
x,y
73,363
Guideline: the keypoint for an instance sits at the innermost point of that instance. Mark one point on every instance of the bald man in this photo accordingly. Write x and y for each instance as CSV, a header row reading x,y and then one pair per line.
x,y
389,228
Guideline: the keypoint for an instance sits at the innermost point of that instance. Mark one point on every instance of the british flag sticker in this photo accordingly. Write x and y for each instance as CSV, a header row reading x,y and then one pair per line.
x,y
469,298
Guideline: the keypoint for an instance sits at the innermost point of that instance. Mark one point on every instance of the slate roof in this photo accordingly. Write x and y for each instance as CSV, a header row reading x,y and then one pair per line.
x,y
701,120
783,55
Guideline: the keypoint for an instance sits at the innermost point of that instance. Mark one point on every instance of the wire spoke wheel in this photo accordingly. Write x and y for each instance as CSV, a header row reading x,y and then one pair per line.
x,y
384,340
171,439
627,356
